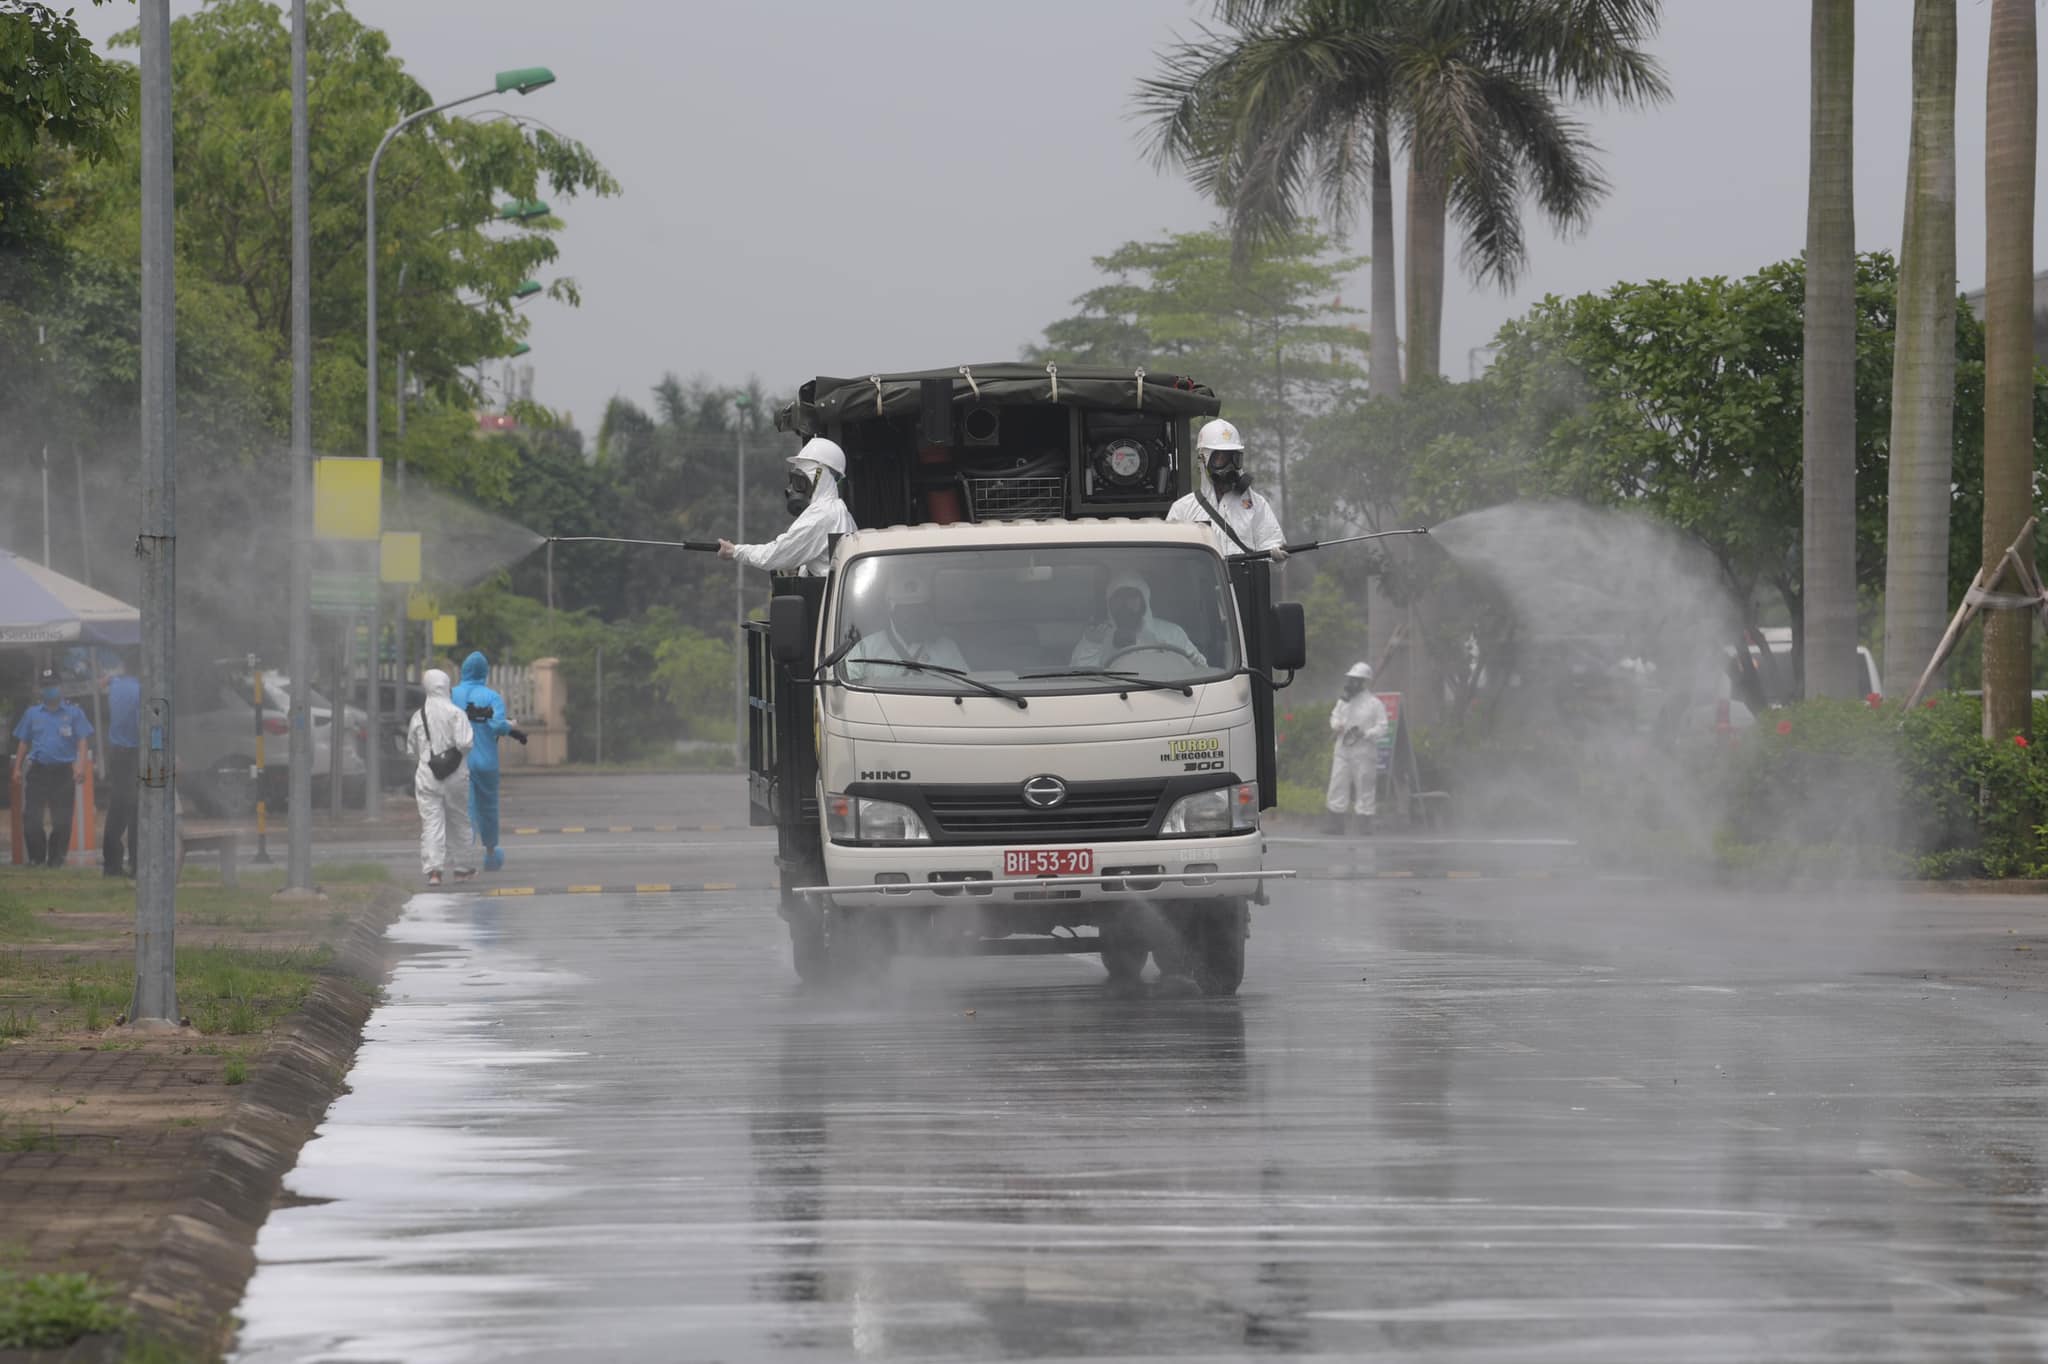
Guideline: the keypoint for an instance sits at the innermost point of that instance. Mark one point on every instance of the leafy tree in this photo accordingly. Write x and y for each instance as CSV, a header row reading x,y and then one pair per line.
x,y
56,92
1296,99
1268,335
439,192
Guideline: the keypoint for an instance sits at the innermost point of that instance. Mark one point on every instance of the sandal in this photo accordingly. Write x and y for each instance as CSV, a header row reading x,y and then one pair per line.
x,y
433,878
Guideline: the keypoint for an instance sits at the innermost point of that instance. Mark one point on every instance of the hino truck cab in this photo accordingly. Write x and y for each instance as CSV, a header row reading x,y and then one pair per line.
x,y
1022,713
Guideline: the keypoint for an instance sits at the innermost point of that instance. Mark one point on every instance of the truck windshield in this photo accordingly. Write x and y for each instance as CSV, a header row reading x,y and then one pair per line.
x,y
1036,619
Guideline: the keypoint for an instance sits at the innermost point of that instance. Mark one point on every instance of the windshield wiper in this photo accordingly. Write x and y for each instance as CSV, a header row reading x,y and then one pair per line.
x,y
969,678
1129,680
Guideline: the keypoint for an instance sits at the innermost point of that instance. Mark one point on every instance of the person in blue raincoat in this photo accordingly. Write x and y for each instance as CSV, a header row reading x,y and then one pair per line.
x,y
486,711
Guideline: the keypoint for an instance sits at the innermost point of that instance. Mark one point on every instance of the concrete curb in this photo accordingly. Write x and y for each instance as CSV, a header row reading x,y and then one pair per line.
x,y
206,1255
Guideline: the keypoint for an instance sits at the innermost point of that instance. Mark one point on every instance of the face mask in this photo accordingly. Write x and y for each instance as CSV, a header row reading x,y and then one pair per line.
x,y
52,695
796,494
1127,611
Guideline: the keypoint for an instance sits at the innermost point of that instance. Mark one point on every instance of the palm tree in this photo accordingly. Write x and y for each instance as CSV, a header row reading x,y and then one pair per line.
x,y
1301,100
2010,95
1828,430
1924,362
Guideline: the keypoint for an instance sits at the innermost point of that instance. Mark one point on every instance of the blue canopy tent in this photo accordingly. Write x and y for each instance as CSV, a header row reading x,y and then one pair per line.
x,y
41,607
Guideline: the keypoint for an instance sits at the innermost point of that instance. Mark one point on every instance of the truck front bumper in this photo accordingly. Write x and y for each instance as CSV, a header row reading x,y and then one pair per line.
x,y
936,876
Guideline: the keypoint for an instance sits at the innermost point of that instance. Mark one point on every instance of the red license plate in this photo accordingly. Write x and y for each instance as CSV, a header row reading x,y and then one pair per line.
x,y
1049,862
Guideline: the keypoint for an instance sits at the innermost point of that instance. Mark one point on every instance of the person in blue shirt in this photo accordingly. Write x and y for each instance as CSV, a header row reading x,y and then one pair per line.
x,y
50,757
122,749
486,711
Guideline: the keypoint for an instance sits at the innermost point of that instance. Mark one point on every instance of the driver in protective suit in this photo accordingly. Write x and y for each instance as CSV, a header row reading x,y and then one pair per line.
x,y
1219,449
813,499
1130,624
911,634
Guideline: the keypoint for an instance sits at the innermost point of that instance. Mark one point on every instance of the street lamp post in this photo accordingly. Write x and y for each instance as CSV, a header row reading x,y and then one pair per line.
x,y
739,587
525,81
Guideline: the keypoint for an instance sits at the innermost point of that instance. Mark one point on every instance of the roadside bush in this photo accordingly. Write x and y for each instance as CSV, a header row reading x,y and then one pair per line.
x,y
46,1311
1923,792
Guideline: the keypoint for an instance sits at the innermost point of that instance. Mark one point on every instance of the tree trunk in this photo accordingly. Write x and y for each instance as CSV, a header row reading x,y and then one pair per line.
x,y
1428,205
1916,605
1385,371
2010,95
1829,420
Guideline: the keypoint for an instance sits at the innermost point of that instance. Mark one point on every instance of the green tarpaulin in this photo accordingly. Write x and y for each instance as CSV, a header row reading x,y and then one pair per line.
x,y
823,401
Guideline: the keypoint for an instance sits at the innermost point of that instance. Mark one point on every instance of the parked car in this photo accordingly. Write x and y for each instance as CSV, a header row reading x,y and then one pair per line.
x,y
217,744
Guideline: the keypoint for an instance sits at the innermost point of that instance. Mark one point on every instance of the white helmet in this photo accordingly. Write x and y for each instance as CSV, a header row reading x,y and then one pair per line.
x,y
1218,435
824,454
1361,671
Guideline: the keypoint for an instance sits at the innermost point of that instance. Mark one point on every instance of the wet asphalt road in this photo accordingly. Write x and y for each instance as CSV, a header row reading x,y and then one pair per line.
x,y
1520,1114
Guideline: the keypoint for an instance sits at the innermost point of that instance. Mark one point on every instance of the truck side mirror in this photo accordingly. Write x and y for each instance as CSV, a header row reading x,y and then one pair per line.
x,y
1289,631
789,635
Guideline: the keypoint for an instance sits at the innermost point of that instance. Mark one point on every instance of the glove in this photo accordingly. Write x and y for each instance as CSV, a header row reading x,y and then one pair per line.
x,y
518,734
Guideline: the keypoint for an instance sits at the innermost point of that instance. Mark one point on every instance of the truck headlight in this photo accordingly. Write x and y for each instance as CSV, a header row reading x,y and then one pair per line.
x,y
856,819
1227,809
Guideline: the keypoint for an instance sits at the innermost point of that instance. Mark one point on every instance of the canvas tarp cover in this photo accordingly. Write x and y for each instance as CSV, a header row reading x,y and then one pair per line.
x,y
823,401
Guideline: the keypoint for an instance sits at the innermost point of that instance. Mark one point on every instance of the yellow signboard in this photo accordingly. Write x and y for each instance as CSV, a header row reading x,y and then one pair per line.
x,y
444,632
420,605
399,561
348,498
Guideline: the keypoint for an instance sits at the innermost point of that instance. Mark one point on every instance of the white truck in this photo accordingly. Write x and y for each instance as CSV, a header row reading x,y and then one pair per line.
x,y
1028,708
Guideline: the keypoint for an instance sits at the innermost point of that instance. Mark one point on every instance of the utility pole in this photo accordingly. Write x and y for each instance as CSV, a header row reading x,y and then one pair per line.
x,y
299,639
155,1004
739,592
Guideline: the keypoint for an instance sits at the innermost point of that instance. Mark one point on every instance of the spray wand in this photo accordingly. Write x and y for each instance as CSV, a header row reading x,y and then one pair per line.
x,y
701,546
1303,546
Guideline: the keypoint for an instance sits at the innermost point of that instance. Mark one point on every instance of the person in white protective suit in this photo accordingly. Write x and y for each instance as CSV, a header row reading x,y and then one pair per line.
x,y
1219,449
813,499
437,726
1359,720
1130,624
911,634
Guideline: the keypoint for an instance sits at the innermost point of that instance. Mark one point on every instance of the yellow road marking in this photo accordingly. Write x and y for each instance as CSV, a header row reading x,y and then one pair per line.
x,y
720,885
653,888
572,829
526,831
1462,875
586,890
1396,875
512,890
664,828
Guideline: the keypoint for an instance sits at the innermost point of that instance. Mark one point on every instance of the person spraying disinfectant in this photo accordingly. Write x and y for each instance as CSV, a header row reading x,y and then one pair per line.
x,y
486,711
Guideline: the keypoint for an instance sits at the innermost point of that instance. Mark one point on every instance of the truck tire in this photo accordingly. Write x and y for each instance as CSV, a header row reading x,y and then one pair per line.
x,y
807,950
1123,950
1216,935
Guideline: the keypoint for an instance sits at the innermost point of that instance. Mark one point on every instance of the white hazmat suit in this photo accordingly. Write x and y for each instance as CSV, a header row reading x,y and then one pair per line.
x,y
1359,722
806,547
1102,642
444,801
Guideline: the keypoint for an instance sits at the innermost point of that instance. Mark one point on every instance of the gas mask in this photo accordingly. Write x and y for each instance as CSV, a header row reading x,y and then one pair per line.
x,y
1353,686
796,494
1226,471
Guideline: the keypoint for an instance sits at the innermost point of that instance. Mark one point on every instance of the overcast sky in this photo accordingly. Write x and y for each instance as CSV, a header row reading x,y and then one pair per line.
x,y
819,186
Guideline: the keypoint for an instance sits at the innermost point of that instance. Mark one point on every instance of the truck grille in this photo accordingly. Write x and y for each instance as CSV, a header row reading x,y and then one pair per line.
x,y
1092,810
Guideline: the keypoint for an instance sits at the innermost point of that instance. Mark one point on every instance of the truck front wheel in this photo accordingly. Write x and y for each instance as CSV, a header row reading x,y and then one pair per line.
x,y
807,948
1124,950
1215,943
